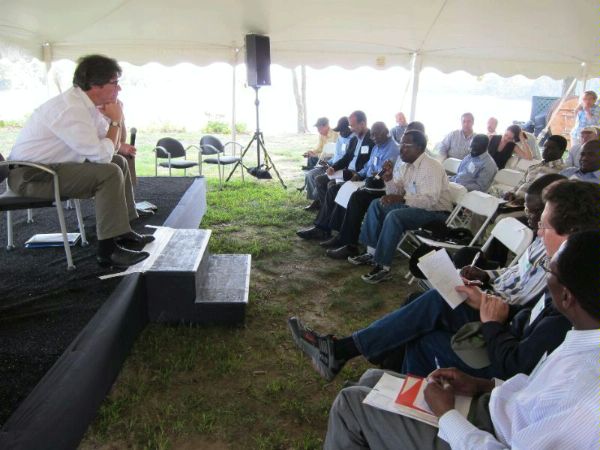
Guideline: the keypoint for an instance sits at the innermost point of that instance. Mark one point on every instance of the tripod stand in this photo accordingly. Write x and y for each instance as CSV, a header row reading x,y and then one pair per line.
x,y
260,145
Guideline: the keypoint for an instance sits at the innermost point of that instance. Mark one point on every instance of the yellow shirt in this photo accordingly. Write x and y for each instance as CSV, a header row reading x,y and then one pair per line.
x,y
330,137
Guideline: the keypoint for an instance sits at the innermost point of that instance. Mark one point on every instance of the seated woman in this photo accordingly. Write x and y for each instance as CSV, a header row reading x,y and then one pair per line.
x,y
514,140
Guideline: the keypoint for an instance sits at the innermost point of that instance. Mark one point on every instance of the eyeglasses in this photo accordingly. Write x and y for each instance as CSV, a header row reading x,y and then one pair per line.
x,y
542,226
545,265
114,82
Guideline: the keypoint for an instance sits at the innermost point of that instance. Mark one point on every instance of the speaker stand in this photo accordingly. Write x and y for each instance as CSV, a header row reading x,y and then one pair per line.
x,y
260,147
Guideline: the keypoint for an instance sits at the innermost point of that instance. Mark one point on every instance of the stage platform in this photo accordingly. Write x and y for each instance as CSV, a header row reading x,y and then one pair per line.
x,y
58,411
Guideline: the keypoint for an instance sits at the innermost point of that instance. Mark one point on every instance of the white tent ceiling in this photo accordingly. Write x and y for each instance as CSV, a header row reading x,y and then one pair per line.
x,y
529,37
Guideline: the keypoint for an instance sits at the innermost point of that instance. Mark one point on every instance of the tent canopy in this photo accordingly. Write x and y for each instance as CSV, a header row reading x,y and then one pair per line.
x,y
529,37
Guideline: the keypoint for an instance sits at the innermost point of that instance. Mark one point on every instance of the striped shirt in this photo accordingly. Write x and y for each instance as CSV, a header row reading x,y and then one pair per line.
x,y
456,145
537,170
423,183
524,281
556,407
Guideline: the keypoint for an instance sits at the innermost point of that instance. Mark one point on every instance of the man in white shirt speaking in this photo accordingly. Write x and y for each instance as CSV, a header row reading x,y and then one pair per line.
x,y
78,133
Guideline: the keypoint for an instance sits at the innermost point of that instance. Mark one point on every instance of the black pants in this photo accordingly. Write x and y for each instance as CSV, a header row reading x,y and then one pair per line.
x,y
331,214
357,208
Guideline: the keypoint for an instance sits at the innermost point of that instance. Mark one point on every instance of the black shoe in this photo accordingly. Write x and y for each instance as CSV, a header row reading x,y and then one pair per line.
x,y
122,258
314,206
319,348
313,233
334,242
308,167
133,238
343,252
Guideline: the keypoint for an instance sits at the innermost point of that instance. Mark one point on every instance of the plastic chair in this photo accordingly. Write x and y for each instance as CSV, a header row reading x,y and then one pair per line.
x,y
473,202
215,149
457,192
450,165
507,179
171,149
10,201
513,234
328,151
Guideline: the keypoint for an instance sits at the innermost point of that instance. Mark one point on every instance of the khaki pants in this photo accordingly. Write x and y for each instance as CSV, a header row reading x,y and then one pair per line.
x,y
110,184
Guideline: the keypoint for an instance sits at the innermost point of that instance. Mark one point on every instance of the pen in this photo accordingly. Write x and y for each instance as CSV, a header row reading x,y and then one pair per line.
x,y
475,259
445,384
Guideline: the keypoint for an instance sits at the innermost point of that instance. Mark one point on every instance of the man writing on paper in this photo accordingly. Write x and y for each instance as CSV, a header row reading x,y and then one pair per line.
x,y
357,155
515,336
556,407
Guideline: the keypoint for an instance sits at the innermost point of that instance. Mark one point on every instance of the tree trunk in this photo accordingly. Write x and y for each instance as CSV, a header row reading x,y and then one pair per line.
x,y
300,97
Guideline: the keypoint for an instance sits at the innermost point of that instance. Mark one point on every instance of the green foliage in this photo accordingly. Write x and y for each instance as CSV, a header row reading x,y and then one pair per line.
x,y
216,127
241,128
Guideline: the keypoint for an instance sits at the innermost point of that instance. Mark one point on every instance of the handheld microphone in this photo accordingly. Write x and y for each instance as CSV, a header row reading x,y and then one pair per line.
x,y
133,132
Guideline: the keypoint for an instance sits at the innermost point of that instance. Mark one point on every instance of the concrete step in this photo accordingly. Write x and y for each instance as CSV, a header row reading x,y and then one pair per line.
x,y
184,284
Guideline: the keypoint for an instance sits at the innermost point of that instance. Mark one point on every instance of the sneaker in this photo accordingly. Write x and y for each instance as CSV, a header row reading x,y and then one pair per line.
x,y
377,275
317,347
361,260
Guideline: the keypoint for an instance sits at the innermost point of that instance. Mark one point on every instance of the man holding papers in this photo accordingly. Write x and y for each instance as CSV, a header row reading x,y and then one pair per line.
x,y
515,336
556,407
356,156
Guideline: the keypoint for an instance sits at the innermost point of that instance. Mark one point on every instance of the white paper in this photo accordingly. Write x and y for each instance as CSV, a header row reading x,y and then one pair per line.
x,y
383,396
441,273
343,196
338,175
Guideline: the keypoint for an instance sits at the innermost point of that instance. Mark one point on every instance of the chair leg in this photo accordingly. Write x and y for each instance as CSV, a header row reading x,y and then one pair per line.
x,y
30,216
69,205
242,170
84,241
220,177
63,230
9,231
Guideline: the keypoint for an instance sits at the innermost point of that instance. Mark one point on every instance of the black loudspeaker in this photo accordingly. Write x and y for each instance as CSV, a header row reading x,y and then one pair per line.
x,y
258,60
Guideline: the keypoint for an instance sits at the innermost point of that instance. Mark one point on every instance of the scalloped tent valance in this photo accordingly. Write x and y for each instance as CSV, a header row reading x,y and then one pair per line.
x,y
530,37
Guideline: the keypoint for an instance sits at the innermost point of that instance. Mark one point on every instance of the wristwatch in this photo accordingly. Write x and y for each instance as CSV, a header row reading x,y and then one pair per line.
x,y
114,123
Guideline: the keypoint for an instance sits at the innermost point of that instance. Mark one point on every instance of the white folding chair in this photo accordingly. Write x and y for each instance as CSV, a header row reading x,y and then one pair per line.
x,y
473,203
513,234
506,180
523,164
450,165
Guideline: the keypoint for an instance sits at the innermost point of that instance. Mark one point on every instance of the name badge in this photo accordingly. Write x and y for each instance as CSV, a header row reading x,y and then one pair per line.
x,y
412,188
471,167
364,150
344,147
537,309
524,264
375,159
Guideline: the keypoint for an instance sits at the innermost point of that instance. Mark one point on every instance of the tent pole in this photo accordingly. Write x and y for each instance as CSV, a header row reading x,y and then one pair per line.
x,y
236,52
47,56
584,77
417,65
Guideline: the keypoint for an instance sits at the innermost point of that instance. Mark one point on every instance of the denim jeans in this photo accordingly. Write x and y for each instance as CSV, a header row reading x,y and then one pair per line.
x,y
428,314
384,226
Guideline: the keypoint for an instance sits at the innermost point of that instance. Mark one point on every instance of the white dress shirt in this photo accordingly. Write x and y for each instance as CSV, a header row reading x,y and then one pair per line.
x,y
423,183
67,128
556,407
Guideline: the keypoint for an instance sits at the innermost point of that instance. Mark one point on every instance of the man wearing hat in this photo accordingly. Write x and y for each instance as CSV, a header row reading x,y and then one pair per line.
x,y
326,135
587,134
343,139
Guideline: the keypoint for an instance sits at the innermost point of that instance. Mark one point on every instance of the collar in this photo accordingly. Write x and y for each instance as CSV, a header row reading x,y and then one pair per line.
x,y
417,161
557,163
83,96
578,341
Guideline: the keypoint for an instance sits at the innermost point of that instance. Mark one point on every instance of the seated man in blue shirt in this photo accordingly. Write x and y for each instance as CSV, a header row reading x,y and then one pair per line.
x,y
345,244
589,164
477,170
555,407
331,214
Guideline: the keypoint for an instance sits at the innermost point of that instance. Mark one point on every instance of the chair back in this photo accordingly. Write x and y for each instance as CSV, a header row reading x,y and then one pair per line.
x,y
508,177
328,150
524,164
451,165
173,146
3,169
457,192
513,234
210,145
